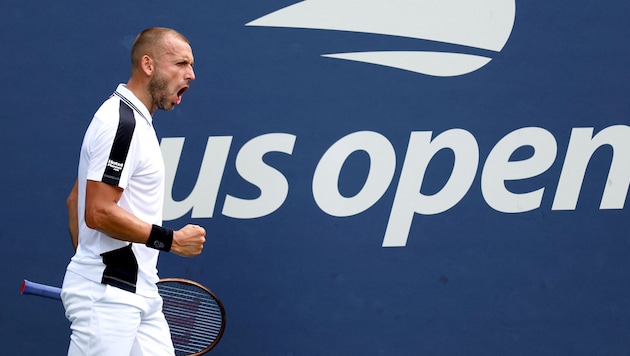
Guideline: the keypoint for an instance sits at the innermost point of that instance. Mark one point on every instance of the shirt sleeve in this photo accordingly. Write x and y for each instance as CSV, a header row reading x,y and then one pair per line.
x,y
110,145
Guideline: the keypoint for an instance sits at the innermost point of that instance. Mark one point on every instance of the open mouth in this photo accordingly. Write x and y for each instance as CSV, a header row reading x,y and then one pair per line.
x,y
180,93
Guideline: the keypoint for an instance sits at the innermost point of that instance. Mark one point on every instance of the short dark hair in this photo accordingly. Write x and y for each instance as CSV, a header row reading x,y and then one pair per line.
x,y
148,40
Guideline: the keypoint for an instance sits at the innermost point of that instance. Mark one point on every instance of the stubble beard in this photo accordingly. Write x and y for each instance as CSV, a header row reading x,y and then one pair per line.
x,y
158,88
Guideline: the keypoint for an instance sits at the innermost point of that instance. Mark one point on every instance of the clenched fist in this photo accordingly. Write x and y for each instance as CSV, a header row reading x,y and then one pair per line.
x,y
188,241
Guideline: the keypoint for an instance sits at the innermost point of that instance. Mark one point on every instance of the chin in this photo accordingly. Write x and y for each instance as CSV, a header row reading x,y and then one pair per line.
x,y
167,106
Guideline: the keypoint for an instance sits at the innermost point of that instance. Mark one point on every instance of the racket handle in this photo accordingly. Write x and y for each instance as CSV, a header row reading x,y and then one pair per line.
x,y
41,290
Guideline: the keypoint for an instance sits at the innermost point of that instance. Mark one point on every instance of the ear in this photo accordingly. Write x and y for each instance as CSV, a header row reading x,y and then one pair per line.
x,y
147,65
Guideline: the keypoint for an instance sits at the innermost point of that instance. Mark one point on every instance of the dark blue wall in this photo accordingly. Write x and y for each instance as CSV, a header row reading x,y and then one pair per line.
x,y
471,280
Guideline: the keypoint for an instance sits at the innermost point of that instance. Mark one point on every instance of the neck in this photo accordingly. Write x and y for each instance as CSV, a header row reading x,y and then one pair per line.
x,y
140,90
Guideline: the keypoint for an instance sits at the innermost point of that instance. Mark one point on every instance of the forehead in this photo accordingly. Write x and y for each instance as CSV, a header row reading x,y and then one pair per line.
x,y
175,48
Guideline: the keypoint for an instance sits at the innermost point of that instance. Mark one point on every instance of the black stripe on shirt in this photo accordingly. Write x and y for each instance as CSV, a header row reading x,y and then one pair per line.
x,y
120,146
131,105
121,269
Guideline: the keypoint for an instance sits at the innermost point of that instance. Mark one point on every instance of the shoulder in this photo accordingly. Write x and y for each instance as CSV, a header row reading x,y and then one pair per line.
x,y
115,113
109,111
113,119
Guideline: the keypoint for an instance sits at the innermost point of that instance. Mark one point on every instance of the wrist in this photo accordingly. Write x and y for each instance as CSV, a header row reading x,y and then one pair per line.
x,y
160,238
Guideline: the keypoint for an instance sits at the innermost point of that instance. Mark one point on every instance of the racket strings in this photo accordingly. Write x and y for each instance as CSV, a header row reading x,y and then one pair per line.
x,y
194,316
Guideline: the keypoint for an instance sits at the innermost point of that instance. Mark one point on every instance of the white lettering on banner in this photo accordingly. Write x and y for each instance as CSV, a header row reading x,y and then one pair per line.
x,y
204,194
408,200
499,168
326,177
273,186
582,145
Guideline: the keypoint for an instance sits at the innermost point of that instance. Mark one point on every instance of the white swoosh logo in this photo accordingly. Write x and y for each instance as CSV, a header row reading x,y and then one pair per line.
x,y
481,24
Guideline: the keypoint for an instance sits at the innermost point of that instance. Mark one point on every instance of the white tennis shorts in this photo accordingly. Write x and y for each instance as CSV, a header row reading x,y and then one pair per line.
x,y
108,321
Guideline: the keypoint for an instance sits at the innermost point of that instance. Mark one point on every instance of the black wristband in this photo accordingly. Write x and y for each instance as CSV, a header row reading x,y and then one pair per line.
x,y
160,238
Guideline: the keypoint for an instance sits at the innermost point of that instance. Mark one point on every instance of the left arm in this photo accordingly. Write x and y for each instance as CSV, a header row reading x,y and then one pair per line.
x,y
73,215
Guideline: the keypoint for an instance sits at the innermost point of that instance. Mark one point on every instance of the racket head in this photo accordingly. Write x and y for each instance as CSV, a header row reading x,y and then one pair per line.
x,y
195,315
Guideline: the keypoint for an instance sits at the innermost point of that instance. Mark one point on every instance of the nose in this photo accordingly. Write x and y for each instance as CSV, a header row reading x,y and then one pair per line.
x,y
191,74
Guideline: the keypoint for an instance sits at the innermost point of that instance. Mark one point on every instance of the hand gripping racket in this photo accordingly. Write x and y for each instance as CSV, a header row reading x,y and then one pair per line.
x,y
195,315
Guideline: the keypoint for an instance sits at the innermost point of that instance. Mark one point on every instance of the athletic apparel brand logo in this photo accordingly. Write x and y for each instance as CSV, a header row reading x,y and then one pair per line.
x,y
470,26
116,166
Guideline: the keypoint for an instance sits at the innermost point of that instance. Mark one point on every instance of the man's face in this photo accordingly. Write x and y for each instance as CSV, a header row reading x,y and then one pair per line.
x,y
173,74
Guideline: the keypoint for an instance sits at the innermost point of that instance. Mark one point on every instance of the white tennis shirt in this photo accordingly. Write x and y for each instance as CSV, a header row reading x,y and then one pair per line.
x,y
120,147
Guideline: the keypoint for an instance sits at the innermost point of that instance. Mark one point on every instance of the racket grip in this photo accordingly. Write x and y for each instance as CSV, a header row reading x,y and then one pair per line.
x,y
41,290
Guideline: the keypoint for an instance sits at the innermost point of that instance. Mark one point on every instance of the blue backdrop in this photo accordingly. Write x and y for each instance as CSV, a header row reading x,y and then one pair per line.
x,y
305,272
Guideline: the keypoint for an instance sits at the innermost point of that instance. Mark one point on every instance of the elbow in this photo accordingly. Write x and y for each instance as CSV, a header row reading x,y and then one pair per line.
x,y
73,198
101,206
72,201
91,221
95,219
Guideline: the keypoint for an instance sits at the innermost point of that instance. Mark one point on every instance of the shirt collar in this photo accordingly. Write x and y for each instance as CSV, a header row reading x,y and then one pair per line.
x,y
130,99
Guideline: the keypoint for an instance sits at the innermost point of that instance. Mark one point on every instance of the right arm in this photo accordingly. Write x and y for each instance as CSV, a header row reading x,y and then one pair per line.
x,y
103,213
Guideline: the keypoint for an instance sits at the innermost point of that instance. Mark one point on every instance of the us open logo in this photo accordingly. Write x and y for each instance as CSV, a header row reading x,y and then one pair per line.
x,y
469,25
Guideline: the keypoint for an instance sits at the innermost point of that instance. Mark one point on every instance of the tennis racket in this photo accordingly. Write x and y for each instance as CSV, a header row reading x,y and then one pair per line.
x,y
195,315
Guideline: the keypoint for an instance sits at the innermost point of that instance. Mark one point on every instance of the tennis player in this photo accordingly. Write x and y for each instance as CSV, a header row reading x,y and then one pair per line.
x,y
115,209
